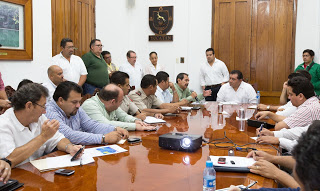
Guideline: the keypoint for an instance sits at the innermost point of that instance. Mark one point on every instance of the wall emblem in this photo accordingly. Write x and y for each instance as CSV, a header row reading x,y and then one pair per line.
x,y
160,22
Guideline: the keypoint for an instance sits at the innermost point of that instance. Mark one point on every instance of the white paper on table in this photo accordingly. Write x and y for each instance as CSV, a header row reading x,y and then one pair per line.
x,y
239,161
252,107
226,189
254,138
199,103
229,103
238,119
151,120
105,150
225,113
121,142
185,108
50,163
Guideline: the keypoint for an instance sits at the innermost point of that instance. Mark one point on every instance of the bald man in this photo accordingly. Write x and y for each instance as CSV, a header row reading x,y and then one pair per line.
x,y
104,108
55,75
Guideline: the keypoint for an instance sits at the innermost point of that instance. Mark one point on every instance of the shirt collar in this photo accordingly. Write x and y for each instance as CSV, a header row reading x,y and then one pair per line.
x,y
55,106
159,89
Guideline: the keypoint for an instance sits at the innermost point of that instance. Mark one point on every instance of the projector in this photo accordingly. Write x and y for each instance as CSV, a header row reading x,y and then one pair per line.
x,y
180,142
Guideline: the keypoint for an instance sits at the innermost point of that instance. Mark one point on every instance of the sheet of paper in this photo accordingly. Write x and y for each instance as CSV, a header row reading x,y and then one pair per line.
x,y
229,103
199,103
255,138
121,142
151,120
105,150
239,161
226,189
185,108
252,107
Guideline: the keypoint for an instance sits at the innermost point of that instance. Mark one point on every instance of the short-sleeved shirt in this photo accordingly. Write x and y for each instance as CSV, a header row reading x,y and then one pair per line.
x,y
244,94
13,134
165,96
150,69
51,88
135,73
128,106
97,70
215,74
143,101
71,70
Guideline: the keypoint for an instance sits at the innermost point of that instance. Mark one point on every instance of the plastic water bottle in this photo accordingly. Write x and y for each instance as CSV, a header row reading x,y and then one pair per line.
x,y
258,97
209,177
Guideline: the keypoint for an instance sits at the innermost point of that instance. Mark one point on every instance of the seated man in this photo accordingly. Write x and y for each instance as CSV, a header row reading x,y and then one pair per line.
x,y
304,163
23,82
121,79
163,92
104,108
75,124
145,98
236,90
181,86
25,133
301,94
55,75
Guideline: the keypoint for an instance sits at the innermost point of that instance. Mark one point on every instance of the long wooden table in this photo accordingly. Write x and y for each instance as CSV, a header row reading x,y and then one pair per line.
x,y
146,166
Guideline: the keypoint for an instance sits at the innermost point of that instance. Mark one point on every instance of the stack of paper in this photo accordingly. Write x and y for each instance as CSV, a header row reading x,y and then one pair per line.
x,y
185,108
151,120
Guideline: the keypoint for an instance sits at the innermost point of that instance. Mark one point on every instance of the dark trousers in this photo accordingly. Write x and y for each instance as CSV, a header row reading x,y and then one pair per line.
x,y
88,88
214,93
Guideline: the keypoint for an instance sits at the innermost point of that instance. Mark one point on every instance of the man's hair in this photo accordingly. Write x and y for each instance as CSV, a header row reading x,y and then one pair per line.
x,y
309,51
93,41
210,49
105,52
64,42
28,92
306,153
64,88
240,76
302,85
153,52
129,52
305,73
180,76
162,76
148,80
119,77
24,82
108,94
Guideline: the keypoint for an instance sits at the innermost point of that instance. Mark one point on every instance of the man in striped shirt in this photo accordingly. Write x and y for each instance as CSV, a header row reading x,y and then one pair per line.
x,y
75,124
301,93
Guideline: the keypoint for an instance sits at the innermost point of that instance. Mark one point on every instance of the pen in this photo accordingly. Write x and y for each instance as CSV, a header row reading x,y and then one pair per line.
x,y
250,185
81,161
261,126
139,110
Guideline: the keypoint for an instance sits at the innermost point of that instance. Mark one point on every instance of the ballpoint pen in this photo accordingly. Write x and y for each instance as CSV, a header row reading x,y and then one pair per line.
x,y
261,127
250,185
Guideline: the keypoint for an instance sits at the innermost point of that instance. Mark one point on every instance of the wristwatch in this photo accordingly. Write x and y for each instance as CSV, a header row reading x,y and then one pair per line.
x,y
103,139
268,107
7,161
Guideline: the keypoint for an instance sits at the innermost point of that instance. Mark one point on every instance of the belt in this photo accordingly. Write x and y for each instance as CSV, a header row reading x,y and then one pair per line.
x,y
213,86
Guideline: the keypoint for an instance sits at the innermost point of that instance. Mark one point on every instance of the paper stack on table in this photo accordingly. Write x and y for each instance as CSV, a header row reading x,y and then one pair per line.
x,y
185,108
151,120
240,162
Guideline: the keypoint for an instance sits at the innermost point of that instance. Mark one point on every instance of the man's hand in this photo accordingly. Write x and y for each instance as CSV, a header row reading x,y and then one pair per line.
x,y
123,132
257,155
73,149
144,127
264,168
285,85
172,86
158,116
264,132
49,128
137,121
234,188
141,116
5,103
262,107
174,109
268,139
262,114
5,171
206,93
113,137
193,95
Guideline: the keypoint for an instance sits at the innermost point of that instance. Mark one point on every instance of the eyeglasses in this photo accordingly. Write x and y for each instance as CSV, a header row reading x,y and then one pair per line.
x,y
71,47
99,45
44,107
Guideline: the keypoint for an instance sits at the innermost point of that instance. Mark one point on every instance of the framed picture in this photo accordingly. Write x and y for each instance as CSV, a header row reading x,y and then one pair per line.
x,y
16,30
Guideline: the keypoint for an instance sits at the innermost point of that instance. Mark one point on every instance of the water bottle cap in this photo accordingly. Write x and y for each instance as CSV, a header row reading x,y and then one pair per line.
x,y
258,91
209,163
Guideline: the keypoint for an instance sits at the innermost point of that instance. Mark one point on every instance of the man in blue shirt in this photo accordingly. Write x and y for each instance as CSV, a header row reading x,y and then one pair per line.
x,y
75,124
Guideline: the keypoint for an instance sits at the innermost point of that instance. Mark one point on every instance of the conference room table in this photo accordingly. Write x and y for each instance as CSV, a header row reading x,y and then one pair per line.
x,y
146,166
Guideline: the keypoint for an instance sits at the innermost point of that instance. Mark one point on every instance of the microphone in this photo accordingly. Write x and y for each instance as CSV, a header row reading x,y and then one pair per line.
x,y
195,97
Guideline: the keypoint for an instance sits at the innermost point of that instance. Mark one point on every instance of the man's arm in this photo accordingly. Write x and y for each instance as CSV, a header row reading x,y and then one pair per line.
x,y
66,146
262,114
175,98
284,96
82,80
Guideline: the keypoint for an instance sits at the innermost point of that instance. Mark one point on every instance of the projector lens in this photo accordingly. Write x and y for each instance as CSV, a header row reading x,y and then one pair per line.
x,y
185,143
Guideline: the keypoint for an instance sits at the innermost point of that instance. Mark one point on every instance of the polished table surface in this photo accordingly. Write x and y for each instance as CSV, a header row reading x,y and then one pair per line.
x,y
146,166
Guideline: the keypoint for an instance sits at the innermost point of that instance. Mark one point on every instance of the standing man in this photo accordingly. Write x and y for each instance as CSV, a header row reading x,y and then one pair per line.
x,y
153,67
213,74
73,67
111,66
97,68
133,69
55,75
312,67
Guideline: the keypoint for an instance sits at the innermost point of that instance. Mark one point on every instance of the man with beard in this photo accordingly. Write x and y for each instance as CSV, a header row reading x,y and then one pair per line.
x,y
75,124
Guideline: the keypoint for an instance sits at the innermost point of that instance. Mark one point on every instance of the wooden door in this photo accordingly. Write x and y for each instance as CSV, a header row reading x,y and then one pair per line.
x,y
258,38
73,19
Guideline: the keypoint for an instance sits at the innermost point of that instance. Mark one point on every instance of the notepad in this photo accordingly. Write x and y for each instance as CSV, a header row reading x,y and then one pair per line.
x,y
151,120
105,150
240,162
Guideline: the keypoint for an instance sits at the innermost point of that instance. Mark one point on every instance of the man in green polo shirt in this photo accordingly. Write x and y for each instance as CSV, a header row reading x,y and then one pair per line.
x,y
96,66
312,67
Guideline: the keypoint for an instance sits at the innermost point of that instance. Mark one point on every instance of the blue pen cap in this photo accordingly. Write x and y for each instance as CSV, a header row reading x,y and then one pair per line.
x,y
209,163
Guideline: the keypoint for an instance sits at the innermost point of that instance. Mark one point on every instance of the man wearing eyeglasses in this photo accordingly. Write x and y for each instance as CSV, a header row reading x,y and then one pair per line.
x,y
73,67
97,68
133,69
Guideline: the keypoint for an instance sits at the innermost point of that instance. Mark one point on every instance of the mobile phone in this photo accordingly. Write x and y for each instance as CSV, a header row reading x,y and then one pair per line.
x,y
196,108
221,160
154,129
134,140
64,172
76,155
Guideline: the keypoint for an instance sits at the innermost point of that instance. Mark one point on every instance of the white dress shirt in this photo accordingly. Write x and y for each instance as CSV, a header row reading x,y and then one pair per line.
x,y
165,96
288,138
288,109
135,73
13,134
51,88
244,94
71,70
215,74
150,69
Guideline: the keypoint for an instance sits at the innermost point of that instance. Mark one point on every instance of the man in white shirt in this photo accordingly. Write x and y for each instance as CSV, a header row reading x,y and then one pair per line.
x,y
133,69
237,90
73,67
213,74
55,75
153,67
25,133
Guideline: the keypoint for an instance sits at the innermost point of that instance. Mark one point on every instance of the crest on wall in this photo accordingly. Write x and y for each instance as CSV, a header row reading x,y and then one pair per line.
x,y
160,22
